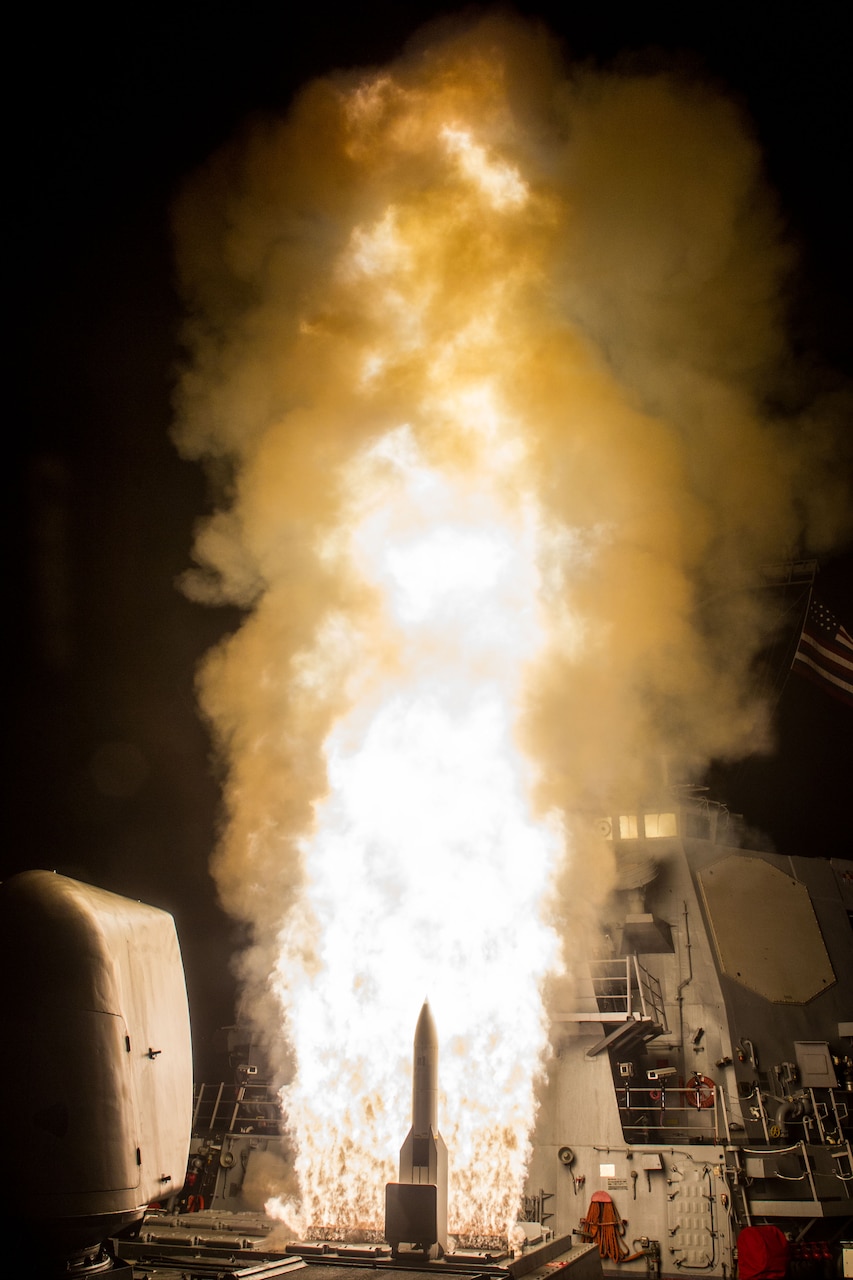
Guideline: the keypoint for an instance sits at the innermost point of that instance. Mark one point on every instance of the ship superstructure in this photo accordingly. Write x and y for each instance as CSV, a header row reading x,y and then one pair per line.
x,y
702,1078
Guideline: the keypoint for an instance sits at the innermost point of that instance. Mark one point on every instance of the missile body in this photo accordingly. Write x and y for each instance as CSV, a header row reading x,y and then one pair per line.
x,y
416,1206
425,1076
423,1155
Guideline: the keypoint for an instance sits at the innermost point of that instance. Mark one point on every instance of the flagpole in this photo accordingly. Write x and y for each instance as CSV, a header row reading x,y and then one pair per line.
x,y
805,619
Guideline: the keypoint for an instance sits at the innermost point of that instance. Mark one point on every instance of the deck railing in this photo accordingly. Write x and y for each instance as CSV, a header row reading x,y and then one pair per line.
x,y
241,1108
622,990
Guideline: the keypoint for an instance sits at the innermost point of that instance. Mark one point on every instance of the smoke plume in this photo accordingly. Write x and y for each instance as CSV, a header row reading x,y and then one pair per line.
x,y
475,290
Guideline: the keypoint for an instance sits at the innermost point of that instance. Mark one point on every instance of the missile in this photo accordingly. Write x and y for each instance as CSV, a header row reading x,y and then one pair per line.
x,y
420,1152
416,1206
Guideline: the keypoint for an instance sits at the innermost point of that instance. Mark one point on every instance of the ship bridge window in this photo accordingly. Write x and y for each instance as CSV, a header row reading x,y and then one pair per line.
x,y
628,829
659,825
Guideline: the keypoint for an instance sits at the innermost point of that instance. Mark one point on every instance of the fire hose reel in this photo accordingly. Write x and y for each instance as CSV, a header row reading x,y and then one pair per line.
x,y
566,1156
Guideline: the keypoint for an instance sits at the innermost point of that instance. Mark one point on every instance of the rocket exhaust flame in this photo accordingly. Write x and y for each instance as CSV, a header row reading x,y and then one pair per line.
x,y
424,864
481,347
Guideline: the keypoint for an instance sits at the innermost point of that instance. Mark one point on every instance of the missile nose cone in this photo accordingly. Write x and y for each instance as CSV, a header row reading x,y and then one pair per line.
x,y
425,1029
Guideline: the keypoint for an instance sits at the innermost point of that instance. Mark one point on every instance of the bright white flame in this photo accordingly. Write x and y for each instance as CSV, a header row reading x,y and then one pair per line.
x,y
426,873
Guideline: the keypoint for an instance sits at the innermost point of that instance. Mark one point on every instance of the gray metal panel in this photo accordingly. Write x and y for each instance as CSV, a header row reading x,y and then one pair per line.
x,y
815,1063
765,930
800,1208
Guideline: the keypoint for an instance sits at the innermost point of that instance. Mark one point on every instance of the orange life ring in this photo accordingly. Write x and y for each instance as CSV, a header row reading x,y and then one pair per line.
x,y
704,1091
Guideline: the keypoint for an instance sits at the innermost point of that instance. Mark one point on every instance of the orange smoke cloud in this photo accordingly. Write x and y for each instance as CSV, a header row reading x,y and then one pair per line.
x,y
478,348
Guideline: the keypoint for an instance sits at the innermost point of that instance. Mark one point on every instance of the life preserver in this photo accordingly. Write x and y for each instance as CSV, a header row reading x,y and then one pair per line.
x,y
655,1095
704,1091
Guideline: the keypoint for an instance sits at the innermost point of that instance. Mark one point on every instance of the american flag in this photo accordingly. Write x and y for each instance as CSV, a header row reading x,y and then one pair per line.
x,y
825,652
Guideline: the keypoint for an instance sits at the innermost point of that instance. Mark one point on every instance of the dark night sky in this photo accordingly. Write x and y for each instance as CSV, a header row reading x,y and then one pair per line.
x,y
111,780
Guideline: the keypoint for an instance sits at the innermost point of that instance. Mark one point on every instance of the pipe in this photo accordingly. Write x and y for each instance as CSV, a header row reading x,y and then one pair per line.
x,y
791,1109
686,981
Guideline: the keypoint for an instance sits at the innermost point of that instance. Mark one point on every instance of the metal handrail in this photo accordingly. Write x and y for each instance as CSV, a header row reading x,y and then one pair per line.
x,y
650,993
231,1105
675,1102
810,1172
622,990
